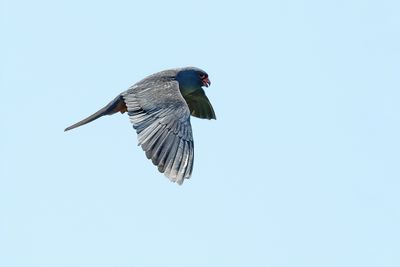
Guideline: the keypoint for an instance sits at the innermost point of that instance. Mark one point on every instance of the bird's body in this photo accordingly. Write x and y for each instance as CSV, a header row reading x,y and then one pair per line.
x,y
159,108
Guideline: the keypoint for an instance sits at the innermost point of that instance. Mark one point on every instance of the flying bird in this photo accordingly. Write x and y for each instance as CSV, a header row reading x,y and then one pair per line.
x,y
159,107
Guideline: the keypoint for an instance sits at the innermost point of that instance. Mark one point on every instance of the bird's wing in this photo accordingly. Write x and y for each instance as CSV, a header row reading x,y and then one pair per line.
x,y
161,118
199,105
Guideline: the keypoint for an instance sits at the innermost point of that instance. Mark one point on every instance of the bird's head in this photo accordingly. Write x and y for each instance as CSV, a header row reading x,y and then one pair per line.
x,y
191,79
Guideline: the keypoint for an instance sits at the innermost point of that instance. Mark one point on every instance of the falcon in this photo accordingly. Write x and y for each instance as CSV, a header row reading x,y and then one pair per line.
x,y
159,107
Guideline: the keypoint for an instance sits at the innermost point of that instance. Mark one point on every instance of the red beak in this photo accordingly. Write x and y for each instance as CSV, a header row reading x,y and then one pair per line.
x,y
206,82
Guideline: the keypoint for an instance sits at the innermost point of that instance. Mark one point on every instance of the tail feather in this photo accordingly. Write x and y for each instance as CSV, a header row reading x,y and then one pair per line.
x,y
117,105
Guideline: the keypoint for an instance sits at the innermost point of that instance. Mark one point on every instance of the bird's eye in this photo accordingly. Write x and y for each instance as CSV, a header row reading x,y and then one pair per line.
x,y
202,76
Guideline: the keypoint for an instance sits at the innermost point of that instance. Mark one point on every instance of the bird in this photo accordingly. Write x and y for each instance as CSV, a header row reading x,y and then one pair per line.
x,y
159,108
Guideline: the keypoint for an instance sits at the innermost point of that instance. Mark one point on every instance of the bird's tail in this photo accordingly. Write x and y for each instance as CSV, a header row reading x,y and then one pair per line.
x,y
117,105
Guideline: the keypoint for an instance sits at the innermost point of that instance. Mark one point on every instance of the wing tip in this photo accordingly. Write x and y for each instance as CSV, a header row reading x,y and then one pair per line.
x,y
175,180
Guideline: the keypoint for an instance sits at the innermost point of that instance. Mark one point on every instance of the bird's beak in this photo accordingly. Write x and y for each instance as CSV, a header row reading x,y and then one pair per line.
x,y
206,82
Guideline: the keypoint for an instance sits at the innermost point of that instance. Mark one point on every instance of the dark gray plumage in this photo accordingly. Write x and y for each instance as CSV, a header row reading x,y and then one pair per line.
x,y
159,108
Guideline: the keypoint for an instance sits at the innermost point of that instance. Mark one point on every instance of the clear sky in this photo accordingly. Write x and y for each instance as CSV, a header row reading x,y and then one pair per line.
x,y
301,167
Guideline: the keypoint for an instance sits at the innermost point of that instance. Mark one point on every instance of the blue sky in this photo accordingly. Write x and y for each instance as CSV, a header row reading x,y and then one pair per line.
x,y
301,168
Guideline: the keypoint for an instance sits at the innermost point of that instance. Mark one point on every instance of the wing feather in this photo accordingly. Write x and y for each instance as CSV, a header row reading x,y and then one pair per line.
x,y
161,118
200,105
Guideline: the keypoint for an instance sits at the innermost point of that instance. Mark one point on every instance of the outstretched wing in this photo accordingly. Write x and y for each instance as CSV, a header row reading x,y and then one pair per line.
x,y
199,105
161,118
